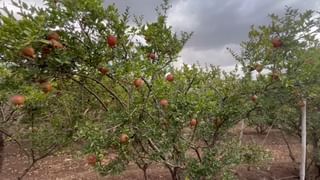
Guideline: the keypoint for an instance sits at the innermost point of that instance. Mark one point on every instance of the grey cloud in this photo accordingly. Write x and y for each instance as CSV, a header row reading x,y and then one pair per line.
x,y
228,21
215,23
215,56
137,7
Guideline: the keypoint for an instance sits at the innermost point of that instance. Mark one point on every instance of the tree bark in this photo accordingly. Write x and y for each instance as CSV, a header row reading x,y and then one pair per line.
x,y
1,151
241,132
316,158
176,173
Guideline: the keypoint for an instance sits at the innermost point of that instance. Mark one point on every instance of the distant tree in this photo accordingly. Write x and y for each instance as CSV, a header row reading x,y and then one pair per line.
x,y
286,56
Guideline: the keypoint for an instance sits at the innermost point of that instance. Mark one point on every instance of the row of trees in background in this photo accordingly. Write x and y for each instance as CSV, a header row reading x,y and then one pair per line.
x,y
287,69
80,73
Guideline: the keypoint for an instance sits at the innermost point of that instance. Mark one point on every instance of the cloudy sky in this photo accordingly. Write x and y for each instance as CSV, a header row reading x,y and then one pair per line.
x,y
216,24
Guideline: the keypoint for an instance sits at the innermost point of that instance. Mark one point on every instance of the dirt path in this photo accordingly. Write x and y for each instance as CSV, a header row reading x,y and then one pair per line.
x,y
73,167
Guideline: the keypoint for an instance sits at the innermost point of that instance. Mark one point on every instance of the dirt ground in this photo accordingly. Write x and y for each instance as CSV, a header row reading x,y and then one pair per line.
x,y
71,166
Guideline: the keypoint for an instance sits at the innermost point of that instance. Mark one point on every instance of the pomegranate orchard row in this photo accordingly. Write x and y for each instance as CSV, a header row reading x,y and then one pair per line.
x,y
287,74
109,93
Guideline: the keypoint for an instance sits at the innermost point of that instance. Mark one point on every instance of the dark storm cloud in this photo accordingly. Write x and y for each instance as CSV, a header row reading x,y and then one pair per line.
x,y
215,23
228,21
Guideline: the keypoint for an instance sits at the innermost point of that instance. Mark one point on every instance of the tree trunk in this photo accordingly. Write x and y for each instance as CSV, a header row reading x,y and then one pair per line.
x,y
176,173
1,150
241,132
316,158
145,174
303,140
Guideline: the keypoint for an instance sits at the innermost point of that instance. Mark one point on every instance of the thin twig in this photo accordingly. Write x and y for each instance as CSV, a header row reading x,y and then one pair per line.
x,y
310,164
196,149
189,86
15,140
26,170
154,147
114,127
35,160
10,115
123,86
91,92
288,146
265,138
113,94
149,86
2,113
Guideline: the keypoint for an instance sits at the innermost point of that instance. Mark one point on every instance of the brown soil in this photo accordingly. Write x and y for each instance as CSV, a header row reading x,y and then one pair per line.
x,y
71,166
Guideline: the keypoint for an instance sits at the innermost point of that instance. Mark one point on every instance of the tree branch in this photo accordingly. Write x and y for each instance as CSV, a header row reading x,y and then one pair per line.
x,y
15,140
92,93
155,148
107,89
189,85
123,87
288,146
198,153
35,160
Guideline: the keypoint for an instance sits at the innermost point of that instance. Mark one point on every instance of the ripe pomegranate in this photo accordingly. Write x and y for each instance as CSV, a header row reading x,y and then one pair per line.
x,y
103,70
46,87
53,35
92,159
254,98
28,52
138,83
259,68
56,44
170,77
124,138
164,102
17,100
112,41
193,122
152,56
276,42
